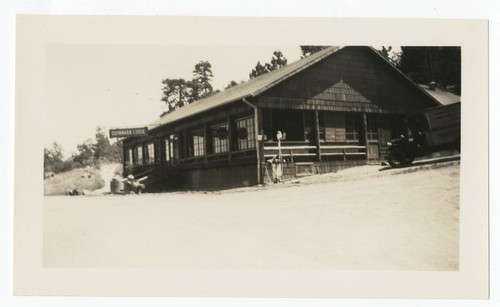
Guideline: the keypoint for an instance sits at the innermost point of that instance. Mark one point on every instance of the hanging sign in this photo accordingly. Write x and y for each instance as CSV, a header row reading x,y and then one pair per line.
x,y
126,132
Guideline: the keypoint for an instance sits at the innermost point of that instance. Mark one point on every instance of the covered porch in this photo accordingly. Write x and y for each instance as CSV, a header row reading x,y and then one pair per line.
x,y
316,135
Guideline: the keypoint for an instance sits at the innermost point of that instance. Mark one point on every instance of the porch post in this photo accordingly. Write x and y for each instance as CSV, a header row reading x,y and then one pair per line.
x,y
365,134
158,151
229,138
185,146
143,149
124,157
205,140
316,133
257,118
258,143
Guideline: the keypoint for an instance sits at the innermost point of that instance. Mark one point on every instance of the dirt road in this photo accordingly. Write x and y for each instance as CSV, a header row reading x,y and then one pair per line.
x,y
359,219
107,171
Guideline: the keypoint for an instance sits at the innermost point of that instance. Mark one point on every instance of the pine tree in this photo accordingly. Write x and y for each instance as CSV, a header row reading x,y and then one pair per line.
x,y
202,76
277,61
308,50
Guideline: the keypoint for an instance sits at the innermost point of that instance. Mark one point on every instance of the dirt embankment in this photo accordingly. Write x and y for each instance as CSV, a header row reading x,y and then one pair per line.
x,y
89,180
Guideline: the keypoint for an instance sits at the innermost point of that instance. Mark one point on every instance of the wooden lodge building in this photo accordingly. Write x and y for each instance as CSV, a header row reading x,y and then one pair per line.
x,y
338,108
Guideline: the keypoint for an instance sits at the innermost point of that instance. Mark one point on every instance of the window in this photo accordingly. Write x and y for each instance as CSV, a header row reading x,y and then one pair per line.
x,y
352,127
174,147
129,157
167,148
418,124
171,148
219,138
150,153
321,120
246,134
372,127
197,143
138,154
308,124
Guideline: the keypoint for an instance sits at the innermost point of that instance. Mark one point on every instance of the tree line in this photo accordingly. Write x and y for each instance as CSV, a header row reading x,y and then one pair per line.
x,y
178,92
423,65
91,152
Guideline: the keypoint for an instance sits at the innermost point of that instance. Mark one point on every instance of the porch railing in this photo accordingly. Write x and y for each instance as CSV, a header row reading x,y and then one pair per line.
x,y
288,151
343,151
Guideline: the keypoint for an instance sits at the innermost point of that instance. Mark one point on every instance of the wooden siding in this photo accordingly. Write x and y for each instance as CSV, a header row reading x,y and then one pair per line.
x,y
195,174
353,80
329,105
334,126
223,177
294,170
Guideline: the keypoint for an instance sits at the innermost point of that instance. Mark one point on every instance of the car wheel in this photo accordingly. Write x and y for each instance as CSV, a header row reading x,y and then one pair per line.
x,y
396,158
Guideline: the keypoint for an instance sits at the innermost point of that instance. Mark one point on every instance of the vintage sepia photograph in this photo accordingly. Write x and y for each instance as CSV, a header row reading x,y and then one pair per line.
x,y
223,166
341,157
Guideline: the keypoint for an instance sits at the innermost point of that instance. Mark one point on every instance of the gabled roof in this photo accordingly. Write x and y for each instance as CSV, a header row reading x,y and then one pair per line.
x,y
256,86
250,88
425,92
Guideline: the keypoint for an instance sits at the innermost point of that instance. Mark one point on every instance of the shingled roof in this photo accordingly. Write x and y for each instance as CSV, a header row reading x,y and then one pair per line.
x,y
256,86
444,97
250,88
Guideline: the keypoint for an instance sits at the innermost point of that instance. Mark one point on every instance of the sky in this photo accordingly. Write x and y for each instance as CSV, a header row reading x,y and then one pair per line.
x,y
115,86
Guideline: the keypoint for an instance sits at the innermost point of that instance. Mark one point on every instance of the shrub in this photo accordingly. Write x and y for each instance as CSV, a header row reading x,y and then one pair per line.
x,y
80,179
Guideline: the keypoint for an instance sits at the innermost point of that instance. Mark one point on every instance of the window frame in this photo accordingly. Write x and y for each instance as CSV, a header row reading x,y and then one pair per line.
x,y
197,143
321,125
166,149
249,142
139,158
372,127
149,157
130,156
219,145
352,127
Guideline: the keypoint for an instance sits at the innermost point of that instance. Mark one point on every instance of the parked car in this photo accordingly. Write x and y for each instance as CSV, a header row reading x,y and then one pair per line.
x,y
429,131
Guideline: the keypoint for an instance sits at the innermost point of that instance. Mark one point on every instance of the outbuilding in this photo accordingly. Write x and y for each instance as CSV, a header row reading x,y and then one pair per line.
x,y
334,109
